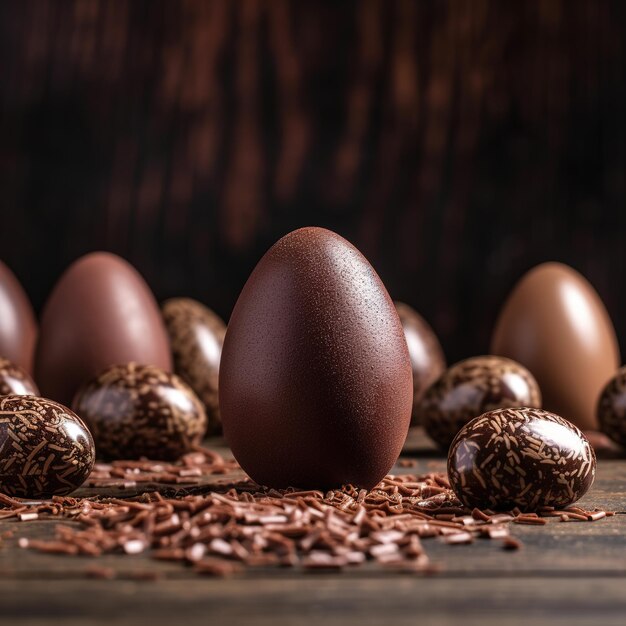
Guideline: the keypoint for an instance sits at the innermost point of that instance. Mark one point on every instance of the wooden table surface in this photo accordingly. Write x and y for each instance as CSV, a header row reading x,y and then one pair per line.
x,y
566,573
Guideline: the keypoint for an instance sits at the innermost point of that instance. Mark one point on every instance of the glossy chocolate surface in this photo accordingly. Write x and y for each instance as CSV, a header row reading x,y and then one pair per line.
x,y
428,361
18,326
139,410
15,381
315,379
45,449
101,312
469,389
555,324
522,457
196,338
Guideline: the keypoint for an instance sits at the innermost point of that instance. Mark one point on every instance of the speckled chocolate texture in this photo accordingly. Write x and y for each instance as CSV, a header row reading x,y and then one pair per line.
x,y
469,389
196,338
522,457
15,381
612,408
316,386
428,361
45,449
140,410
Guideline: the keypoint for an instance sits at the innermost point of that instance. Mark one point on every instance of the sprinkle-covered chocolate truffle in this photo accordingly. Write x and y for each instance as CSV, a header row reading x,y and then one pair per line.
x,y
522,457
471,387
45,449
140,410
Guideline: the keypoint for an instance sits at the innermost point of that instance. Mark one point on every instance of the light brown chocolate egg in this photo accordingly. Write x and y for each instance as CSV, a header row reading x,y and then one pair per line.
x,y
15,381
427,358
140,410
555,324
196,337
522,457
471,387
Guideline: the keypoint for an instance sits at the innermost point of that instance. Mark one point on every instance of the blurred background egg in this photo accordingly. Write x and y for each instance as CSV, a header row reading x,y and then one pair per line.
x,y
315,379
469,389
100,313
196,338
14,380
428,360
555,324
18,326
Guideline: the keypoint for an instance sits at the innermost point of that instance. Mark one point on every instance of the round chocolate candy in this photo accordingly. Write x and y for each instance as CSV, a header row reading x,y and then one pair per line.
x,y
140,410
196,338
524,457
471,387
15,381
612,408
427,358
45,449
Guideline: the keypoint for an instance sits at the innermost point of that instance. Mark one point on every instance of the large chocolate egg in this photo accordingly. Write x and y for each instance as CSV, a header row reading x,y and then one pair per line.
x,y
100,313
427,358
196,336
469,389
555,324
139,410
315,377
14,381
45,449
521,457
18,327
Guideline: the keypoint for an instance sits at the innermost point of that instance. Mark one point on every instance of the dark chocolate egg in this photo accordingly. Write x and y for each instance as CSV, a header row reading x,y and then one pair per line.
x,y
45,449
196,337
101,312
427,358
140,410
522,457
555,324
469,389
315,377
18,327
612,408
14,381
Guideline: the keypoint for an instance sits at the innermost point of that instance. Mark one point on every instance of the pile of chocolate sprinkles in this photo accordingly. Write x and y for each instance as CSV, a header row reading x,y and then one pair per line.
x,y
221,529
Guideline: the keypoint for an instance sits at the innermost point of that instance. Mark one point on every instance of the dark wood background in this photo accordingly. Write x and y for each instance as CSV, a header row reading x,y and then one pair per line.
x,y
455,143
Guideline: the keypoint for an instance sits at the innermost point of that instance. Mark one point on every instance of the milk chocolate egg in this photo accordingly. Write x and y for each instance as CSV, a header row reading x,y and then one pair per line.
x,y
612,408
427,358
196,337
140,410
522,457
469,389
45,449
15,381
555,324
315,377
18,328
100,313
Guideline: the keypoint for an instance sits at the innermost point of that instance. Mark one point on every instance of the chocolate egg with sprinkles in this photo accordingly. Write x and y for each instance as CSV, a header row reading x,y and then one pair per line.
x,y
472,387
14,380
612,408
196,338
522,457
45,449
141,411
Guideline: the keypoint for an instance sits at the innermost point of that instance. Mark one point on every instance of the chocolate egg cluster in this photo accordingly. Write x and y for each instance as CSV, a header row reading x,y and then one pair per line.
x,y
140,410
469,389
523,457
196,338
45,449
